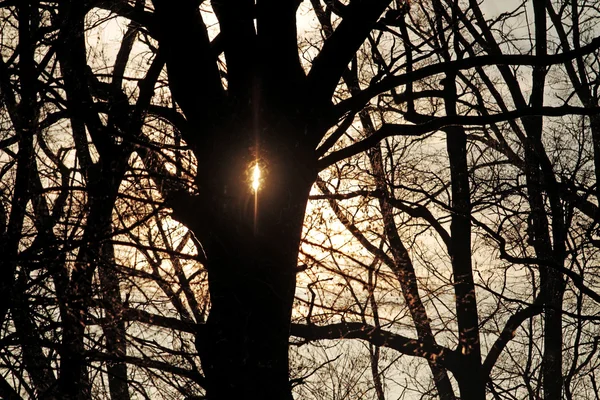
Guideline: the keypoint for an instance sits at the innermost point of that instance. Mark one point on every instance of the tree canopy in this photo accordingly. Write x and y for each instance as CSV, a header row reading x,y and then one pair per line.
x,y
314,199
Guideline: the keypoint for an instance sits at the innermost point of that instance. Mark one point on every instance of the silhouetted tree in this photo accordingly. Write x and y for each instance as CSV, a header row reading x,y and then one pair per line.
x,y
507,184
103,146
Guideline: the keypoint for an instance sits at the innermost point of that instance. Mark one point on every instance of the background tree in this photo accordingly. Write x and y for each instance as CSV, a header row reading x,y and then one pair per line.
x,y
486,182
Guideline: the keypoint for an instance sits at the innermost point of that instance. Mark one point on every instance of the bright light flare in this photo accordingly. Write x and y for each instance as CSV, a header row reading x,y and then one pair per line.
x,y
256,178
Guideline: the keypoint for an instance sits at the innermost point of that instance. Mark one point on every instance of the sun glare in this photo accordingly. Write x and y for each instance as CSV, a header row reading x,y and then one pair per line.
x,y
256,178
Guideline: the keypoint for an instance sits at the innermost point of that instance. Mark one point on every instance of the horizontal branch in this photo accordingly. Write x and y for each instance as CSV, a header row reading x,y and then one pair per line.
x,y
123,9
345,330
576,278
192,374
378,337
346,196
359,100
134,315
438,123
174,254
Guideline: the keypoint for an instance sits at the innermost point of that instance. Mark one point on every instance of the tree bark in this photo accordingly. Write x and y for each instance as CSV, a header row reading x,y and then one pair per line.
x,y
252,257
471,382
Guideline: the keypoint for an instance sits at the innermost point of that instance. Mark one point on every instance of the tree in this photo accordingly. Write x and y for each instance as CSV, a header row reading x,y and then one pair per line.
x,y
223,90
471,172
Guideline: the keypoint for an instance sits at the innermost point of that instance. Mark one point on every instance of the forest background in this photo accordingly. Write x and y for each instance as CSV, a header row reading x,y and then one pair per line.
x,y
328,199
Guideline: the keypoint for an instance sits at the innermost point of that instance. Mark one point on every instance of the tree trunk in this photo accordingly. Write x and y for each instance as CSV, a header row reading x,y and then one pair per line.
x,y
405,271
471,382
252,278
114,327
251,243
244,352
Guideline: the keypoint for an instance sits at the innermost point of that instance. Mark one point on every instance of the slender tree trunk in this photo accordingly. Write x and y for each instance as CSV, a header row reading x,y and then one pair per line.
x,y
405,272
470,378
549,250
471,381
114,328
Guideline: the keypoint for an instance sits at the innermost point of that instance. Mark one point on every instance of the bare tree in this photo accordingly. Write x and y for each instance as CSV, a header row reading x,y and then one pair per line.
x,y
120,118
486,185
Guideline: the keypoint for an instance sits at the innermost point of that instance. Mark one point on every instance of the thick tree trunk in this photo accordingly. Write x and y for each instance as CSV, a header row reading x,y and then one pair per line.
x,y
252,276
471,382
244,351
251,245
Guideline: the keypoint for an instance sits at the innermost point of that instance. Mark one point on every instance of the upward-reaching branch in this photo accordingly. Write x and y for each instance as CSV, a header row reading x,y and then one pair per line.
x,y
359,19
196,85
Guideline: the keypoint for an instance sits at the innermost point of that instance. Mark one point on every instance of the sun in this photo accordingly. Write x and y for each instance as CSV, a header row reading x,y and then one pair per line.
x,y
256,178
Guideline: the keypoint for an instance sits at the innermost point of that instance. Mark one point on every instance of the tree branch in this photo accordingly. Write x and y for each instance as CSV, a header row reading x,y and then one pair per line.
x,y
357,330
436,124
